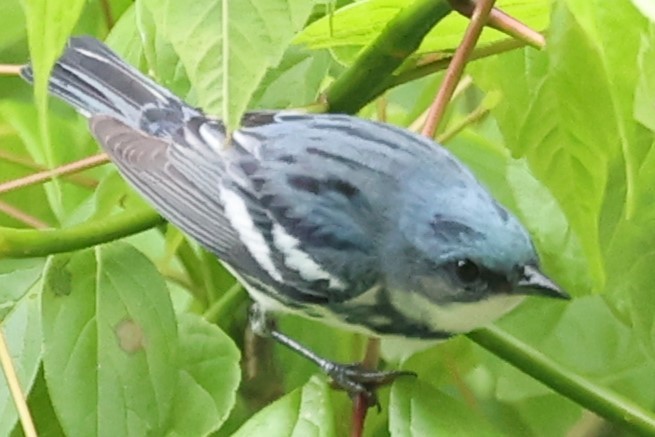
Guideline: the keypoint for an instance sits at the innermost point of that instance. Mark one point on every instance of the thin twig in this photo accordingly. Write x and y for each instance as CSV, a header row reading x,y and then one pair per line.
x,y
426,67
78,179
464,84
478,114
360,407
22,216
381,108
502,22
10,69
15,389
456,68
43,176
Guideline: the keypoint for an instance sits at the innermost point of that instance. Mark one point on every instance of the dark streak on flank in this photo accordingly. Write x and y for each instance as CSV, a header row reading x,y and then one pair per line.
x,y
316,186
289,159
305,183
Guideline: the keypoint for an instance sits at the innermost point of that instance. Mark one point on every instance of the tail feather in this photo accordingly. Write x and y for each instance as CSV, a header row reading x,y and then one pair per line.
x,y
95,81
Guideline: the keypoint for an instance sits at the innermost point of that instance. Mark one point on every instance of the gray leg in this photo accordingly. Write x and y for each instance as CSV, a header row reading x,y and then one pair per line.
x,y
353,378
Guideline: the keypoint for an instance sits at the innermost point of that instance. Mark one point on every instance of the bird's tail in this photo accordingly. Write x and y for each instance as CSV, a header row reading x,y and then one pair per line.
x,y
94,80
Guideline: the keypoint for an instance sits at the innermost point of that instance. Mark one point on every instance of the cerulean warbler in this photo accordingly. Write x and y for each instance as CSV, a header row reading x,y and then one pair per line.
x,y
361,224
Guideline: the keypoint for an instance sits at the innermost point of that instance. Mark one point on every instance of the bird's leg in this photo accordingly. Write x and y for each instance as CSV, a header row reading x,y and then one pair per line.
x,y
353,378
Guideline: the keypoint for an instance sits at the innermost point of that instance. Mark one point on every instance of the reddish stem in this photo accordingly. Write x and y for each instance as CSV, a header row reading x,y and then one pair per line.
x,y
456,67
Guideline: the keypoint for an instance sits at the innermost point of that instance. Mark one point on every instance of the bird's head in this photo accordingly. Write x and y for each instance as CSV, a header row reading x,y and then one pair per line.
x,y
461,259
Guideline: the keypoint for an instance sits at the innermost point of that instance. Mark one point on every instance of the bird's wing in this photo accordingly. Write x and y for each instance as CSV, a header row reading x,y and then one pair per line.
x,y
145,161
208,193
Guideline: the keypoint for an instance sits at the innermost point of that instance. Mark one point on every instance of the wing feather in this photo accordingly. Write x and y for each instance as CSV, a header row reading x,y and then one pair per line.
x,y
145,161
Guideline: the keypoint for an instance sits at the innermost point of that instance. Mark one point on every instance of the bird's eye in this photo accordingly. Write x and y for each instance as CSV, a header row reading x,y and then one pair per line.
x,y
467,271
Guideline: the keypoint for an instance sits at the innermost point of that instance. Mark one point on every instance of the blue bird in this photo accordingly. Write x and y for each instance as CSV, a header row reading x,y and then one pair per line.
x,y
361,224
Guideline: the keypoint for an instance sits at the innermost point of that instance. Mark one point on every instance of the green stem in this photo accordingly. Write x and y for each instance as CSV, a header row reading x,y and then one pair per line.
x,y
195,269
402,36
25,243
220,310
598,399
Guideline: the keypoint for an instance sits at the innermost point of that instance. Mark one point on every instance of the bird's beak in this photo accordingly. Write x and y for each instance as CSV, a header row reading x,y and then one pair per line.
x,y
536,283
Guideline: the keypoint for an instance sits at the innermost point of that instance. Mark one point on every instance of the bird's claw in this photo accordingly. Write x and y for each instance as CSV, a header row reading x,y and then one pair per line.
x,y
358,380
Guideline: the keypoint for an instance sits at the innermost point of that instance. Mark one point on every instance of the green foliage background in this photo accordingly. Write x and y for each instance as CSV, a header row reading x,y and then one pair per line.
x,y
143,335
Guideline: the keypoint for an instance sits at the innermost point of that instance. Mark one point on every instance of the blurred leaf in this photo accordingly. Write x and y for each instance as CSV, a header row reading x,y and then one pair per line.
x,y
295,82
644,107
418,409
586,337
12,23
21,326
642,305
49,24
560,252
259,32
17,276
304,412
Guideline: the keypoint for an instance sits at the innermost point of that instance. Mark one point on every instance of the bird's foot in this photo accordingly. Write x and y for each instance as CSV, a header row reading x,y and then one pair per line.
x,y
357,380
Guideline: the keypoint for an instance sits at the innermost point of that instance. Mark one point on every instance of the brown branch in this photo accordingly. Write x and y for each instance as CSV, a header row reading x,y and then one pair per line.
x,y
106,13
17,393
78,179
43,176
10,69
502,22
360,407
22,216
456,67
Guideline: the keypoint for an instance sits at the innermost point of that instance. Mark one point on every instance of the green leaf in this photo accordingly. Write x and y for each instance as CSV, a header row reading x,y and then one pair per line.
x,y
644,107
39,401
560,249
418,409
209,377
300,70
566,142
110,342
611,357
49,24
639,284
304,412
257,36
21,328
17,276
12,23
